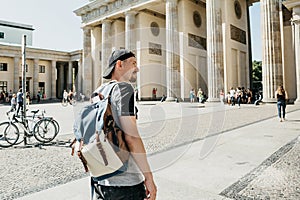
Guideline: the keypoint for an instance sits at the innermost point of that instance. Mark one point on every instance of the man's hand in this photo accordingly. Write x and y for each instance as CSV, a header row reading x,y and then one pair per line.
x,y
150,189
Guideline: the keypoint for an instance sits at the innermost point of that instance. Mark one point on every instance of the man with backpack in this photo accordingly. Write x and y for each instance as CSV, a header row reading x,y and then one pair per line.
x,y
136,182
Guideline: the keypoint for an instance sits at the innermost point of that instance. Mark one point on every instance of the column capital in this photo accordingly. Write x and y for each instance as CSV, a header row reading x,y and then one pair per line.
x,y
107,21
172,1
131,12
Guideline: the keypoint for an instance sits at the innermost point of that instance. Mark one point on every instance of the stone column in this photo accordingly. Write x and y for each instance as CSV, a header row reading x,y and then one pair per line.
x,y
60,87
272,74
130,39
79,77
35,77
87,61
53,79
106,44
296,23
70,76
172,51
215,62
16,74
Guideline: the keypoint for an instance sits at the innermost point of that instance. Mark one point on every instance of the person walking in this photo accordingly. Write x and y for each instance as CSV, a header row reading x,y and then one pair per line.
x,y
282,97
20,100
135,183
232,96
13,103
239,94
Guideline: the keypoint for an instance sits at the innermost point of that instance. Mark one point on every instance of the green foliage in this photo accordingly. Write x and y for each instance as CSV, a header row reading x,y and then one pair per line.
x,y
257,74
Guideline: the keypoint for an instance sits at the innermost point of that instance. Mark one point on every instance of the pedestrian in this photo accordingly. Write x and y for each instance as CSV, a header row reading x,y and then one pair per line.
x,y
136,182
163,98
222,96
38,96
13,103
65,96
232,96
19,100
200,95
282,97
154,91
82,97
192,95
70,96
27,98
239,94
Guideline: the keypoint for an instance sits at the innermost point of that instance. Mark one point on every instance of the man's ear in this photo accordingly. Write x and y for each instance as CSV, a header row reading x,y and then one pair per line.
x,y
118,63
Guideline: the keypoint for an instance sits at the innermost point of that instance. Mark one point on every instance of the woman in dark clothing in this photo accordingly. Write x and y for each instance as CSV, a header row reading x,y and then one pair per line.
x,y
282,97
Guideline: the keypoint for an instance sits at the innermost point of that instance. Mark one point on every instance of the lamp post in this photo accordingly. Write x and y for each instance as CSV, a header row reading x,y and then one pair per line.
x,y
24,81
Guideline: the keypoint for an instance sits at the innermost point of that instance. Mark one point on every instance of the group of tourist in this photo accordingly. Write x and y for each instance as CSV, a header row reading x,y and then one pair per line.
x,y
239,95
199,96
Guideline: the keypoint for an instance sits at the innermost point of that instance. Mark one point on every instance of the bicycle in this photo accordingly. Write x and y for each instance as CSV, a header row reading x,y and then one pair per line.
x,y
66,102
44,130
42,116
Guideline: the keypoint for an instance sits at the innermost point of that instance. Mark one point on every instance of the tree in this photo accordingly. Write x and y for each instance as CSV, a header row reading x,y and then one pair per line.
x,y
257,75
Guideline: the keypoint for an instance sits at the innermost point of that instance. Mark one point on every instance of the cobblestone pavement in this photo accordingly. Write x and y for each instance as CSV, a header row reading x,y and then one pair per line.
x,y
278,177
28,170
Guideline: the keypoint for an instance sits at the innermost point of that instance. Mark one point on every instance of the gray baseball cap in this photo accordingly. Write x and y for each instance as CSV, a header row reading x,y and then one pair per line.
x,y
116,55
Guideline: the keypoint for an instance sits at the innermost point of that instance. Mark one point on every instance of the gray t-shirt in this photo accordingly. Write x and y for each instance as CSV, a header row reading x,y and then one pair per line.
x,y
122,101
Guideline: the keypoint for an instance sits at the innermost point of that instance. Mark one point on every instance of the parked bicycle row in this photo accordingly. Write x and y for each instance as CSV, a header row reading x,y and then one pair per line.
x,y
18,129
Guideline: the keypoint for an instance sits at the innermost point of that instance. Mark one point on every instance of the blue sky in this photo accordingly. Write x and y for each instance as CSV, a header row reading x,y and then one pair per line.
x,y
58,28
255,32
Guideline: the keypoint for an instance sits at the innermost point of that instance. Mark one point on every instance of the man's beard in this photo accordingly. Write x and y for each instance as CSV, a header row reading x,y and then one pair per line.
x,y
133,78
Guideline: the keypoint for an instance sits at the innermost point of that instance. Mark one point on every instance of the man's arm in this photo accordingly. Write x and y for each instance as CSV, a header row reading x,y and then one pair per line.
x,y
137,149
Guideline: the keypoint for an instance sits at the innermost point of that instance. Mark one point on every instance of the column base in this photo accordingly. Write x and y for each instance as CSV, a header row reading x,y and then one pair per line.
x,y
172,99
213,100
269,100
297,102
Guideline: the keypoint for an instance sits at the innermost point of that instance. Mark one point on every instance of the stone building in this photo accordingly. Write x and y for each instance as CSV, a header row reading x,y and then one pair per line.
x,y
47,71
184,44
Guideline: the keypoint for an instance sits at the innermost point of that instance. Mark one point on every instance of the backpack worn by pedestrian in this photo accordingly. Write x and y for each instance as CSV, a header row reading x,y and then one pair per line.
x,y
102,147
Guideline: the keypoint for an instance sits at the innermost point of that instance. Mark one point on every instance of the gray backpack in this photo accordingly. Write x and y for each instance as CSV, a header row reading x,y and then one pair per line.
x,y
97,117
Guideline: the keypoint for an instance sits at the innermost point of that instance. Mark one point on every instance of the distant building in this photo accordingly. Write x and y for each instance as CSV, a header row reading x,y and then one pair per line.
x,y
47,71
11,32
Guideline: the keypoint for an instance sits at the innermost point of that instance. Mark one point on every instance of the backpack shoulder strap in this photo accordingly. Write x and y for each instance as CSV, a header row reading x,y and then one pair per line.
x,y
105,92
106,89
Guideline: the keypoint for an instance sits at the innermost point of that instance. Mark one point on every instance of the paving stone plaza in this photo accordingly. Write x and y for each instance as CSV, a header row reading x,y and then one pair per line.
x,y
197,151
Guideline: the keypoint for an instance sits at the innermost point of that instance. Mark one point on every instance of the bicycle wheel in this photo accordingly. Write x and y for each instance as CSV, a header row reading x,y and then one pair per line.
x,y
56,125
9,134
44,130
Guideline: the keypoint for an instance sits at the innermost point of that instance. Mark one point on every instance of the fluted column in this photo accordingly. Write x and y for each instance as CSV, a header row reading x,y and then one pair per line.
x,y
130,38
60,86
87,61
106,44
53,79
16,74
70,76
79,77
296,23
35,77
215,62
272,74
172,51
